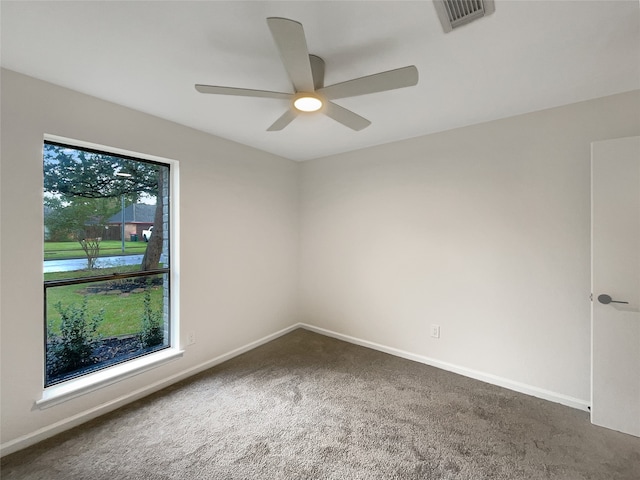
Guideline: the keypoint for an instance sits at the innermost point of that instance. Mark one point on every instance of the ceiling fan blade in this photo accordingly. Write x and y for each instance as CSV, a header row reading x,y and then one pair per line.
x,y
345,117
286,118
243,92
379,82
292,45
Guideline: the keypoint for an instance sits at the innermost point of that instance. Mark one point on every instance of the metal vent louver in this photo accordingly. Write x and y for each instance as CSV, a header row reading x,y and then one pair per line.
x,y
454,13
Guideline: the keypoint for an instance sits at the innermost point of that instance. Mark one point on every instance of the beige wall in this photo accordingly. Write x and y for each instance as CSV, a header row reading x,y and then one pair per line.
x,y
483,230
238,212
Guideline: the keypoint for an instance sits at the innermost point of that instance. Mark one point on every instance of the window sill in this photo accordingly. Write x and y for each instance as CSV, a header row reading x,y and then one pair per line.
x,y
57,394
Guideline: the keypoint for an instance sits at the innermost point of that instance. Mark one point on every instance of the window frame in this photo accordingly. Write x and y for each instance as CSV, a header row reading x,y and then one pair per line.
x,y
70,388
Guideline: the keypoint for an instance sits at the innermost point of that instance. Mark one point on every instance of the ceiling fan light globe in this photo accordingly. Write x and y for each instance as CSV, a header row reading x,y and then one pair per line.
x,y
307,104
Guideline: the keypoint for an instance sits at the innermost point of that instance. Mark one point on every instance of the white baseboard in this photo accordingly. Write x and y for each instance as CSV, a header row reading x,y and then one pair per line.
x,y
50,430
467,372
82,417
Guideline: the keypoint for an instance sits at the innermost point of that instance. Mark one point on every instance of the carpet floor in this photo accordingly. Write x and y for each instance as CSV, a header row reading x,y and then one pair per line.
x,y
306,406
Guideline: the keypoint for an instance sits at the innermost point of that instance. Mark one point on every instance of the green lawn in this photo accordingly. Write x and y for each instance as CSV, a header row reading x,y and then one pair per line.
x,y
62,250
122,311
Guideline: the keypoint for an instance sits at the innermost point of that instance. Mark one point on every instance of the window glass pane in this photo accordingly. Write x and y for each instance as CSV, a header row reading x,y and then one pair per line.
x,y
97,324
103,212
104,215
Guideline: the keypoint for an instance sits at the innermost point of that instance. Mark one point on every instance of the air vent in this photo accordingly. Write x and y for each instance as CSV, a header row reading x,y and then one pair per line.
x,y
455,13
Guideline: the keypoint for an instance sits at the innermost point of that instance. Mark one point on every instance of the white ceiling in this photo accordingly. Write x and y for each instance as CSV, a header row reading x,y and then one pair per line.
x,y
527,56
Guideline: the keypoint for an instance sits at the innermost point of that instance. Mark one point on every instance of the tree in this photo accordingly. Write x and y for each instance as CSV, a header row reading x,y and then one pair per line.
x,y
77,218
154,247
74,173
91,247
77,179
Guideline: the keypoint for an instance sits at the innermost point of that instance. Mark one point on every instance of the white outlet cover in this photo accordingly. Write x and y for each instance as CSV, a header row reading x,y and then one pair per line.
x,y
435,331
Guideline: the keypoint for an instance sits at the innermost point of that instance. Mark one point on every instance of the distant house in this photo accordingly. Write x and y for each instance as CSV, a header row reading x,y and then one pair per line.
x,y
137,217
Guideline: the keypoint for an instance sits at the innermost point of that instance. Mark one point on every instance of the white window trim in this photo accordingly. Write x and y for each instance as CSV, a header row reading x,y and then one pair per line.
x,y
62,392
76,387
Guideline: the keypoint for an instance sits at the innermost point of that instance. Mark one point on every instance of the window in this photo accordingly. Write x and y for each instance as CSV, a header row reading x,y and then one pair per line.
x,y
107,265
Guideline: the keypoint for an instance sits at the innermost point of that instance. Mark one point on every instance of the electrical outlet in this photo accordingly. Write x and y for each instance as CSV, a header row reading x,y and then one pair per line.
x,y
435,331
191,338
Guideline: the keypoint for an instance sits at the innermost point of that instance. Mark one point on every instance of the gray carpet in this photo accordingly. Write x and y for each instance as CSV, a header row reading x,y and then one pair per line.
x,y
306,406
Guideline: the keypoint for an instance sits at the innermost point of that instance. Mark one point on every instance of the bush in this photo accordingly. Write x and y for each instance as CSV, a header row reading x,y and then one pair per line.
x,y
152,332
72,348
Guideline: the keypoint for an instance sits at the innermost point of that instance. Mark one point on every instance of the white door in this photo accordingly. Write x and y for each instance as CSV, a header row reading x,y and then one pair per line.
x,y
615,277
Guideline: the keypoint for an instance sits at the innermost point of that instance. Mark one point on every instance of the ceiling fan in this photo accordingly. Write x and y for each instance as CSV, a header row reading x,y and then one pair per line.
x,y
306,73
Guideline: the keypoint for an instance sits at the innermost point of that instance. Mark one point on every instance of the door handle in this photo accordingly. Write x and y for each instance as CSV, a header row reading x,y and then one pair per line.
x,y
606,299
